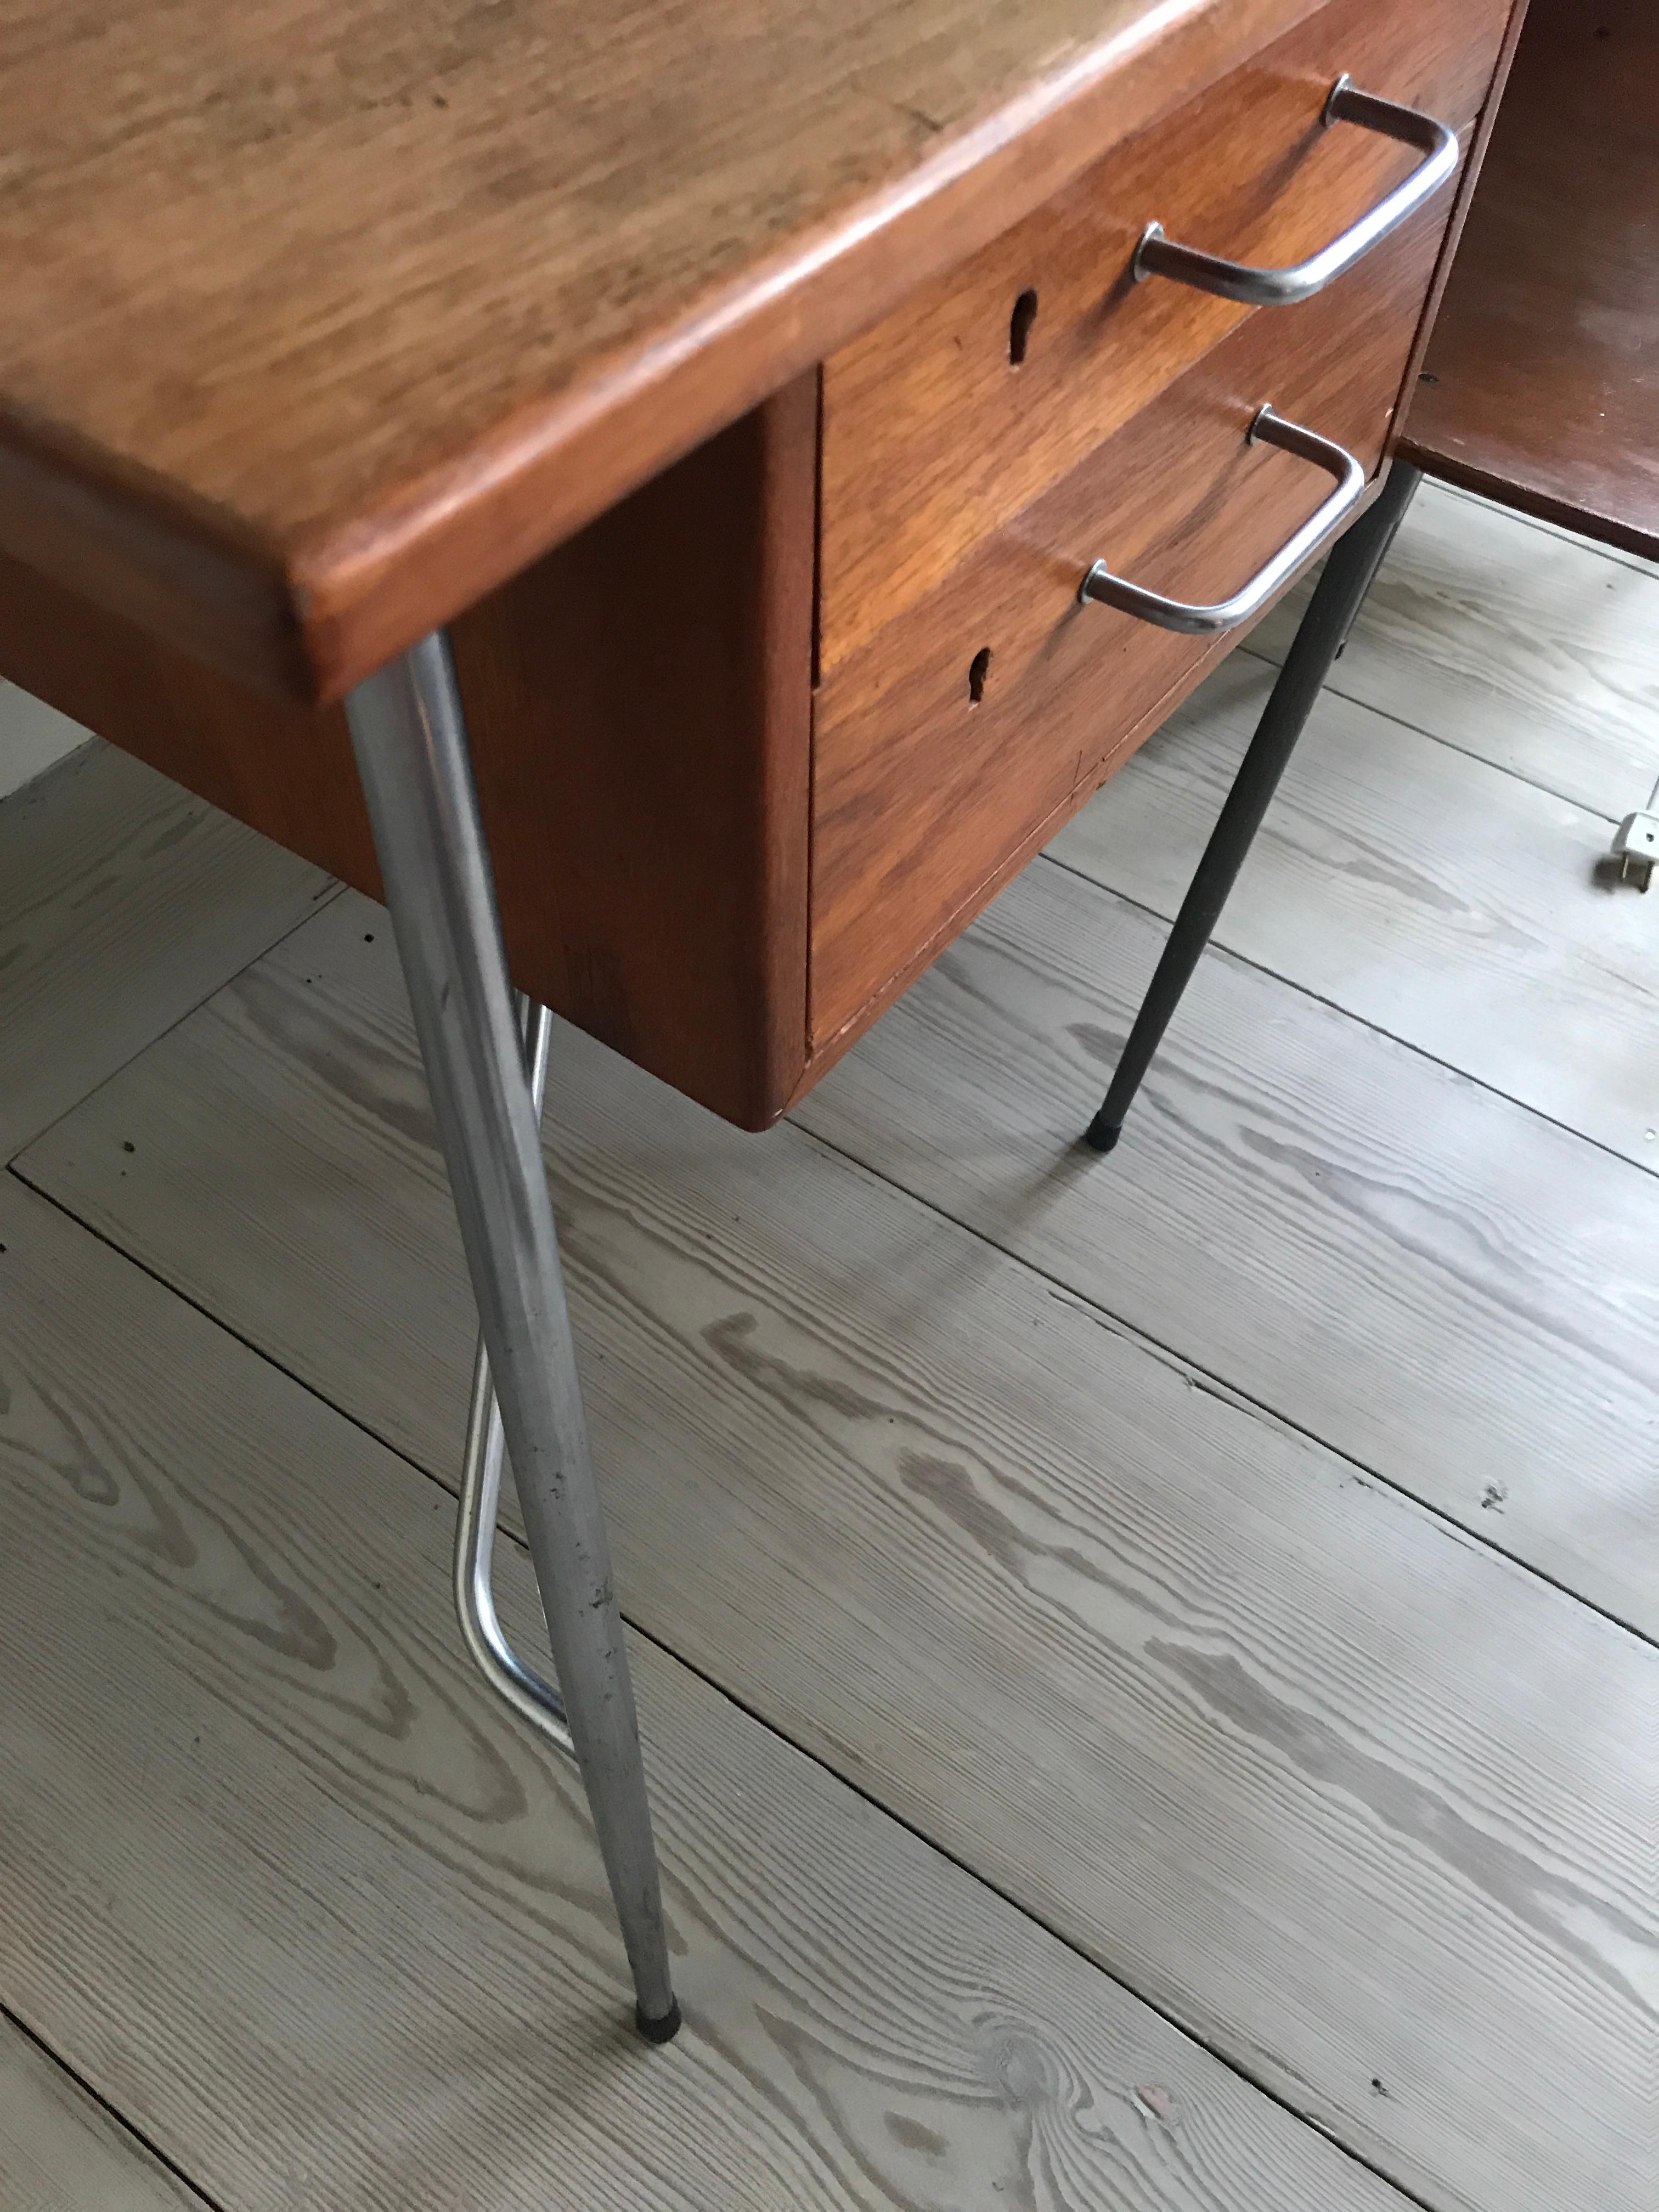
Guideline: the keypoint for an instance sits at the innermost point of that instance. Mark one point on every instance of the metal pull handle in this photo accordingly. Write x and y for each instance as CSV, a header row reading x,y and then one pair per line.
x,y
1158,256
1269,429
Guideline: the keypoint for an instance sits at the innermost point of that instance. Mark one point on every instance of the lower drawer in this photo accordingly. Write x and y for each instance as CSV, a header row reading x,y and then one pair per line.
x,y
963,725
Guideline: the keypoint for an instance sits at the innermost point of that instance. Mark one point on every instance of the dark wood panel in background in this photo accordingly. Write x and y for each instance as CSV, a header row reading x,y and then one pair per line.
x,y
1543,382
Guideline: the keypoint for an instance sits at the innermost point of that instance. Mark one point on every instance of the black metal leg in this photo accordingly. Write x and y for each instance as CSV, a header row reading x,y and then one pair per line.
x,y
1354,562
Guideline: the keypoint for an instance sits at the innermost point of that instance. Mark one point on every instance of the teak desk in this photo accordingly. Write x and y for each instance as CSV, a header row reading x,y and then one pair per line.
x,y
832,437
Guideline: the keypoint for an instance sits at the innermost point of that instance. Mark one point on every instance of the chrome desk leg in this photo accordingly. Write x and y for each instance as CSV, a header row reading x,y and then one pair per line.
x,y
1322,633
410,743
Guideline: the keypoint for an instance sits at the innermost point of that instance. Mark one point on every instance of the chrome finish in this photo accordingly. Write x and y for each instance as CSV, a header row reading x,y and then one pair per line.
x,y
413,760
1270,429
1158,256
519,1684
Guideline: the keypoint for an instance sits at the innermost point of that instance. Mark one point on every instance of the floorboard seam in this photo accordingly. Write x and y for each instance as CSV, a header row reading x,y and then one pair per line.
x,y
1171,2019
1207,1378
128,2127
1219,1386
1616,554
1360,1021
325,898
1192,2033
1216,1384
1439,738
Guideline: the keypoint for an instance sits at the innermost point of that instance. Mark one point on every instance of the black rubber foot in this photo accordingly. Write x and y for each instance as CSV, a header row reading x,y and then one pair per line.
x,y
659,2031
1100,1136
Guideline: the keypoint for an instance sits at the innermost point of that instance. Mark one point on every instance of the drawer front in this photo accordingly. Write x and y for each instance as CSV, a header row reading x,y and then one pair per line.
x,y
943,743
933,437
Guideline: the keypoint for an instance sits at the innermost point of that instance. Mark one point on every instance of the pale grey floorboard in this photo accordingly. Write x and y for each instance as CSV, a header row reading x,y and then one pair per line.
x,y
34,737
1518,643
124,901
1448,902
291,1889
1620,553
1364,1805
60,2151
1423,1274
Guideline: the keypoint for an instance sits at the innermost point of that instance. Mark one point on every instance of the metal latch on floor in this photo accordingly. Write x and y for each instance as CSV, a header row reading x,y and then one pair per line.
x,y
1636,844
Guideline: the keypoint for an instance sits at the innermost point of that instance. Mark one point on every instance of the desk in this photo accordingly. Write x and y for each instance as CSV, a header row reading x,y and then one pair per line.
x,y
831,439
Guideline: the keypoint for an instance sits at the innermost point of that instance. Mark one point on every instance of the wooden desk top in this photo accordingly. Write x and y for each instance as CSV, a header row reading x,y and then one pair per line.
x,y
319,321
1542,384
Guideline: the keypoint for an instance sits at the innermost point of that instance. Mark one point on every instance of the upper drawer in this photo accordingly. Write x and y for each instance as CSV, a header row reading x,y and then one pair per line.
x,y
933,437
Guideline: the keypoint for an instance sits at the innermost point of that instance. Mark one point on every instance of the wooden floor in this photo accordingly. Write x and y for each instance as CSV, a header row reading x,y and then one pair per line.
x,y
1148,1667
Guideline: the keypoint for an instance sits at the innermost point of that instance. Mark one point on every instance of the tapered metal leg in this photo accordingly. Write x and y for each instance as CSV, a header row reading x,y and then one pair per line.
x,y
1354,562
410,743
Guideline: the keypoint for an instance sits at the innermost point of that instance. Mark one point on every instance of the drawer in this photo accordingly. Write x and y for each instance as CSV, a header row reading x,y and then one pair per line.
x,y
957,731
933,436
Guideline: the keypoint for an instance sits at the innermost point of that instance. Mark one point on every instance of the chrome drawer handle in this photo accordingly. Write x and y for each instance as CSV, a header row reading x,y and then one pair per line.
x,y
1269,429
1158,256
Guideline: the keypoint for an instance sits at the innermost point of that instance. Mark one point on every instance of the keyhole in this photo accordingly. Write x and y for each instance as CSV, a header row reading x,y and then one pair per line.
x,y
976,669
1019,327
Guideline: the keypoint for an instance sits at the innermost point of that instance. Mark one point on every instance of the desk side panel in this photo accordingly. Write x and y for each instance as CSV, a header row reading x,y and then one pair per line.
x,y
640,708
